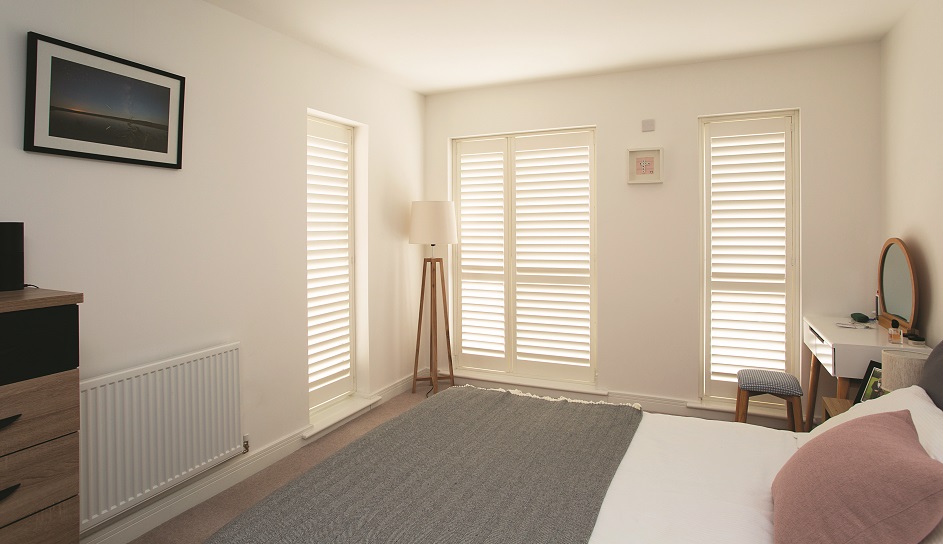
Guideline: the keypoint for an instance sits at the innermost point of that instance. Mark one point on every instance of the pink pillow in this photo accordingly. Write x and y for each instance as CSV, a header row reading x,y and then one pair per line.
x,y
867,481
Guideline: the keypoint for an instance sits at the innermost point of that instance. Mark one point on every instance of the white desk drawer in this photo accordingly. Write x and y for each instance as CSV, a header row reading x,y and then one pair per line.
x,y
821,349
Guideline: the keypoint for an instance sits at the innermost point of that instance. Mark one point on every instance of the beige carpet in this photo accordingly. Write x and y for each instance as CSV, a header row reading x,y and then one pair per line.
x,y
200,522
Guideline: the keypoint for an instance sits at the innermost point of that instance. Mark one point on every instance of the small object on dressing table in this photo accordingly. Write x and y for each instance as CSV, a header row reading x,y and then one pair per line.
x,y
860,317
893,333
852,325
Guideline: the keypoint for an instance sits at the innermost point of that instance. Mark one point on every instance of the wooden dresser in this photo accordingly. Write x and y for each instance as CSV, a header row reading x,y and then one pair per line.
x,y
39,416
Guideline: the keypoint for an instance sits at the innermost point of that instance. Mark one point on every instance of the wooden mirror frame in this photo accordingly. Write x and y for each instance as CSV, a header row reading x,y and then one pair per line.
x,y
884,318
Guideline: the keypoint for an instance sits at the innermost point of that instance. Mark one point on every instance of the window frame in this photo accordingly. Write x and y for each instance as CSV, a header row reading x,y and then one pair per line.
x,y
509,364
712,391
317,404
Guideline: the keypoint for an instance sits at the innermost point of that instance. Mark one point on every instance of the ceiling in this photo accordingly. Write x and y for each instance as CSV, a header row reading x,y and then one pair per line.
x,y
440,45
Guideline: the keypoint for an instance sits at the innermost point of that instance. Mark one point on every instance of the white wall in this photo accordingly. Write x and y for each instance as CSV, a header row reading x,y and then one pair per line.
x,y
173,261
648,236
913,117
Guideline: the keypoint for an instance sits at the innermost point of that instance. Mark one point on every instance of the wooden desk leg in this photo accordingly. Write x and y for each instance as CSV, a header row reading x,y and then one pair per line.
x,y
843,384
814,370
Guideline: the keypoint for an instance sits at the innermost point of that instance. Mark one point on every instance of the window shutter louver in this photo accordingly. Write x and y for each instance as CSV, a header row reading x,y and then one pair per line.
x,y
329,261
525,254
749,248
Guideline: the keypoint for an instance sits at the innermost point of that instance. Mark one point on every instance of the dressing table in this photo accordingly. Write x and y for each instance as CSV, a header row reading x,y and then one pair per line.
x,y
845,352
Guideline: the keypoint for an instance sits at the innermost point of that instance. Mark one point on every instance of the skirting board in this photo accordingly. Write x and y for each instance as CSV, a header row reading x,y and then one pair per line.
x,y
768,416
661,405
151,515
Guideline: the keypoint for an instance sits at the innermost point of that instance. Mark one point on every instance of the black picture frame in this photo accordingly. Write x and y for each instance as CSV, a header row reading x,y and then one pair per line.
x,y
870,383
89,104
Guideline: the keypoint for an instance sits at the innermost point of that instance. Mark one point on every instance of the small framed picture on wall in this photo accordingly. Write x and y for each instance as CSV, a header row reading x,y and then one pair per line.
x,y
644,166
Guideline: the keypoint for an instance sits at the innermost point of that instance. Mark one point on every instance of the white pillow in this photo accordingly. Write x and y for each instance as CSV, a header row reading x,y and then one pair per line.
x,y
928,419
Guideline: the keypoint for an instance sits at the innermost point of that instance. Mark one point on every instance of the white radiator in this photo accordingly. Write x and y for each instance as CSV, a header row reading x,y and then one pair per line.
x,y
150,428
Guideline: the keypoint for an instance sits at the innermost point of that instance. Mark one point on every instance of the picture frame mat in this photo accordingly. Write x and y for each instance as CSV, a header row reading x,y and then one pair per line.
x,y
632,155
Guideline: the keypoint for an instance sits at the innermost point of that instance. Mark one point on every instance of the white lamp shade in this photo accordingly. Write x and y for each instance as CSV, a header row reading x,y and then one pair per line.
x,y
901,368
432,222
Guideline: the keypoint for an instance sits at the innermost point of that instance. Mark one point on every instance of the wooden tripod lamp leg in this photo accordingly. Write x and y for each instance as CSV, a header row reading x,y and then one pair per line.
x,y
422,300
432,267
445,312
433,333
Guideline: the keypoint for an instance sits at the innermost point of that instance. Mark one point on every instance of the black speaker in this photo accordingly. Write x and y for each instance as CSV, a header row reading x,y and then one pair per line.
x,y
11,256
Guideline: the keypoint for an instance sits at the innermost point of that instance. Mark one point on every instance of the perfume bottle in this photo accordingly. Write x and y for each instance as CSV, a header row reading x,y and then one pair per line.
x,y
893,334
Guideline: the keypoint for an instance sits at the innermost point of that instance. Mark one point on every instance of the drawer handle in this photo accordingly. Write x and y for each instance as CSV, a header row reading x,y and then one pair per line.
x,y
8,491
7,421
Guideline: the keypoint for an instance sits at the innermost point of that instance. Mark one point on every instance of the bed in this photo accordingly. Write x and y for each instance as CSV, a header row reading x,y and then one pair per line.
x,y
677,479
694,480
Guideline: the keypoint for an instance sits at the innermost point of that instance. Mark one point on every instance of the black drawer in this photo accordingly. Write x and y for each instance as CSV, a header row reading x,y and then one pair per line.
x,y
38,342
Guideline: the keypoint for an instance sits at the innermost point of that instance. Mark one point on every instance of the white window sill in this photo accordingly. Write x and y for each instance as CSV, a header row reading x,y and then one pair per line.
x,y
326,420
755,408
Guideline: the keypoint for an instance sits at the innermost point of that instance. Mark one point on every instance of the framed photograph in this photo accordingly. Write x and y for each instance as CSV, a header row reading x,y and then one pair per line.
x,y
870,384
83,103
644,165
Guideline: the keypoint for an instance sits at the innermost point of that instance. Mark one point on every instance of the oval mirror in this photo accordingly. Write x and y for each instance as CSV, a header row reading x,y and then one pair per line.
x,y
897,285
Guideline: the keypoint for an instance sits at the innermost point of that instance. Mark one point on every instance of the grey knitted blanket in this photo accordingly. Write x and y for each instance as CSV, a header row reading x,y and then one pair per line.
x,y
464,466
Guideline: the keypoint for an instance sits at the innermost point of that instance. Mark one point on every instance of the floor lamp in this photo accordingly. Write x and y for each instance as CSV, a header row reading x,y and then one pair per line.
x,y
433,222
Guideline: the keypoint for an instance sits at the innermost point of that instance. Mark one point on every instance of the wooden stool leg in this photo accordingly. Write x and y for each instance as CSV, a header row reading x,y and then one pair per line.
x,y
796,417
743,399
790,419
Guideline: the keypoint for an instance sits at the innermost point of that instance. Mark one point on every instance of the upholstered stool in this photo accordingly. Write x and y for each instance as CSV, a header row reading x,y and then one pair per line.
x,y
753,381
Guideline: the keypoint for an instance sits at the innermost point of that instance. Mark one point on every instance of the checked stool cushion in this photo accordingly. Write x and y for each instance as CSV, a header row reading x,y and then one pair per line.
x,y
768,381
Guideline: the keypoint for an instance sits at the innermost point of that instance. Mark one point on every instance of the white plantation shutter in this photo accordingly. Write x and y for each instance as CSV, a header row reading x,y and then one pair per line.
x,y
750,292
552,248
525,254
482,298
329,221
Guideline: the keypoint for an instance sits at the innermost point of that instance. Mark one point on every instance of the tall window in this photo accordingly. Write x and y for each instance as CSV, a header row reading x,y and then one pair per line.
x,y
524,263
329,221
750,246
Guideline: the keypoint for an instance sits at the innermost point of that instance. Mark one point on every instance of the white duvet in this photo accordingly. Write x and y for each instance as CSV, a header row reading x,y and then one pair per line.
x,y
685,479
